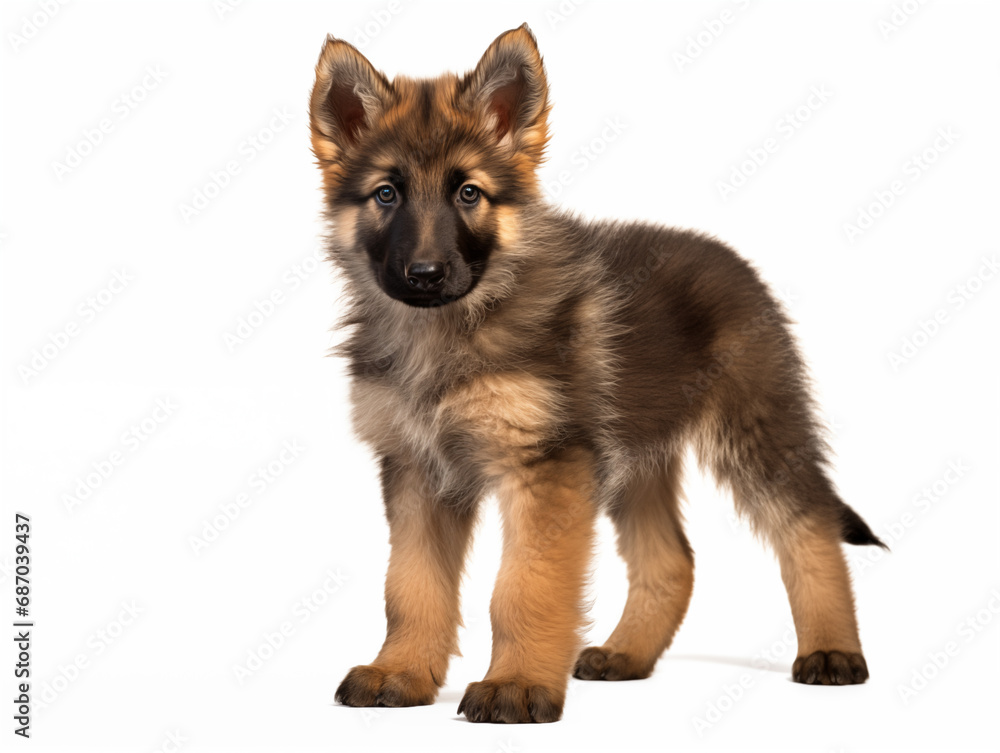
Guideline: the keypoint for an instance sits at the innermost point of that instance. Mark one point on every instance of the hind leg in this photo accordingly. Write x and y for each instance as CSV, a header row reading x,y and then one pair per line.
x,y
819,590
798,512
661,576
770,456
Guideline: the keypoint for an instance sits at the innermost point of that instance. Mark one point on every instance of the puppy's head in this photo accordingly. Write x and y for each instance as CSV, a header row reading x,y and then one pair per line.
x,y
422,177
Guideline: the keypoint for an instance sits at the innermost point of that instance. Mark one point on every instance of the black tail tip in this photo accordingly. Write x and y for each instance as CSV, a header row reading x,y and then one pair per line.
x,y
857,532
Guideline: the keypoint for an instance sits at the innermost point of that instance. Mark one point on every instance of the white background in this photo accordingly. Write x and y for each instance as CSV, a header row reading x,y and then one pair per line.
x,y
684,127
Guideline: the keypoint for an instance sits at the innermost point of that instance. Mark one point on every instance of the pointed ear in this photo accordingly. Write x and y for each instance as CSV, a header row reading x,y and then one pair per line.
x,y
347,97
508,86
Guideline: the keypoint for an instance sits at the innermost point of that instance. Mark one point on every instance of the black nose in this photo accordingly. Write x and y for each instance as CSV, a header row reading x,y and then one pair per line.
x,y
427,276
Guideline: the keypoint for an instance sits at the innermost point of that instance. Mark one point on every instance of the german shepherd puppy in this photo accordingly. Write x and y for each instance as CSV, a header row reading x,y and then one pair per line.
x,y
500,345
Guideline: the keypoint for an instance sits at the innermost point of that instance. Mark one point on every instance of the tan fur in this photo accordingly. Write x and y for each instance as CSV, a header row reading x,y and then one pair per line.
x,y
661,578
509,416
343,230
429,542
548,514
819,590
505,418
509,226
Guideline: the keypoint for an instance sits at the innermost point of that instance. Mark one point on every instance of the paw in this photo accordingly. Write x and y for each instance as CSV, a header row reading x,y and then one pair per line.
x,y
596,663
830,668
370,685
510,702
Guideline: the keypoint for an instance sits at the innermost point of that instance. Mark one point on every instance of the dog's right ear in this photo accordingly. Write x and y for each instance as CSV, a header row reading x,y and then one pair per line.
x,y
347,97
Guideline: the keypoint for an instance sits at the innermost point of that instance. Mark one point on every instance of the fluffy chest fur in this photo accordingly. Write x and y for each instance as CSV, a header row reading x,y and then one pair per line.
x,y
441,403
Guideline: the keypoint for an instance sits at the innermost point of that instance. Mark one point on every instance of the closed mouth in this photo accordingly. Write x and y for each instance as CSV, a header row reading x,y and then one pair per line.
x,y
429,300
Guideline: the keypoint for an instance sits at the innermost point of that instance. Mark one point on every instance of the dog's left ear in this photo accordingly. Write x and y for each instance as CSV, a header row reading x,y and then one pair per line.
x,y
508,86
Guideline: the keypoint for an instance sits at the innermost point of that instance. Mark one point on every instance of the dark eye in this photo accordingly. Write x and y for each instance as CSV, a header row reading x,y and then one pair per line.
x,y
469,194
385,195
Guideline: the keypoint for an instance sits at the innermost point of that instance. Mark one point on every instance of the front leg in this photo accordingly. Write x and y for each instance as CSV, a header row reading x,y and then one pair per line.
x,y
548,513
429,538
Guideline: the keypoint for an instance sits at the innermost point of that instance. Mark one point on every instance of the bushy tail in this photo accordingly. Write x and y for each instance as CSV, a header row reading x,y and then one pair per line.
x,y
856,531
